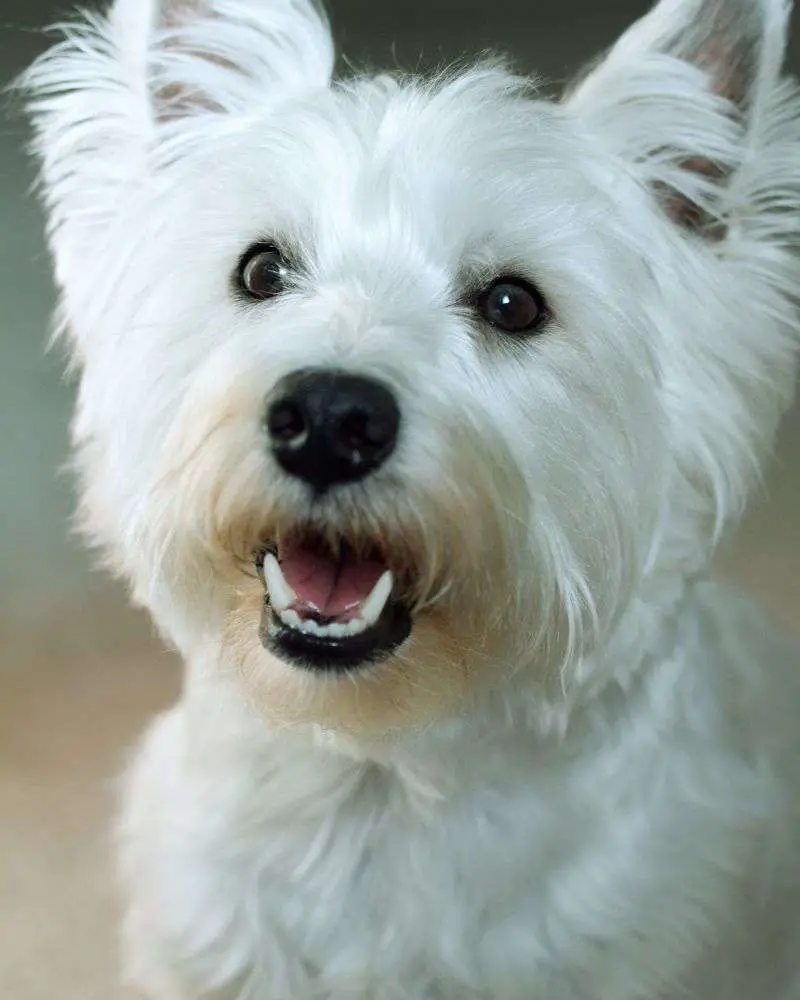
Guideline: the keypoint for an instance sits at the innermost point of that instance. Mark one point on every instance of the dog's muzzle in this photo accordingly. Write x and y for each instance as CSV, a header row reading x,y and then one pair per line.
x,y
331,605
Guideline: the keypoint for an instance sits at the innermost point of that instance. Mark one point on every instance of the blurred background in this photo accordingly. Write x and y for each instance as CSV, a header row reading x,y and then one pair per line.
x,y
80,672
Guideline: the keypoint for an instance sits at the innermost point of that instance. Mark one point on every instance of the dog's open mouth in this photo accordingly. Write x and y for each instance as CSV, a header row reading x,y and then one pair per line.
x,y
330,607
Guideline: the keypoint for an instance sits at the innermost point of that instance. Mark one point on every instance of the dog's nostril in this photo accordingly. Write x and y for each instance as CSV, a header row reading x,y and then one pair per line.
x,y
357,430
286,422
329,427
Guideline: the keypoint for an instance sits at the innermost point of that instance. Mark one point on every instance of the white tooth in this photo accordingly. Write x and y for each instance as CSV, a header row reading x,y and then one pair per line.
x,y
311,627
373,606
336,629
355,625
290,618
281,595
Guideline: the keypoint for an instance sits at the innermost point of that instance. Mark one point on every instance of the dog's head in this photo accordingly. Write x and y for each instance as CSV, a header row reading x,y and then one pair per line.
x,y
394,387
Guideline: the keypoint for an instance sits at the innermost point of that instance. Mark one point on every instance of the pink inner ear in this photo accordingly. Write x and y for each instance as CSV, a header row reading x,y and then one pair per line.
x,y
175,101
728,72
178,13
728,49
688,214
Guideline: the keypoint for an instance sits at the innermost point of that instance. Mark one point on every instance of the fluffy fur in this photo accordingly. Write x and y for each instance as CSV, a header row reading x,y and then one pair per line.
x,y
579,778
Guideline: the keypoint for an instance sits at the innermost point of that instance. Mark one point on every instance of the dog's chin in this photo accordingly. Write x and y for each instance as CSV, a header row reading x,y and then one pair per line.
x,y
428,675
359,634
330,653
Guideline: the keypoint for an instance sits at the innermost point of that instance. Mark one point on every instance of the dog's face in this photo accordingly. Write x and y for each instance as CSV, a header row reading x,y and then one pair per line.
x,y
391,389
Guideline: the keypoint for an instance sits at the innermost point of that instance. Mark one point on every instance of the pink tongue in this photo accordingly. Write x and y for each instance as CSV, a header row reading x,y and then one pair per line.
x,y
329,587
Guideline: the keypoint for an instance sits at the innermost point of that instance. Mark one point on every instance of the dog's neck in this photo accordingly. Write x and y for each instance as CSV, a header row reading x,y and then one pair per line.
x,y
513,727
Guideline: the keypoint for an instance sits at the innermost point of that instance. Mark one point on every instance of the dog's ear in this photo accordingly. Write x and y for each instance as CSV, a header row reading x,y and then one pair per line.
x,y
225,56
118,88
684,95
152,61
692,105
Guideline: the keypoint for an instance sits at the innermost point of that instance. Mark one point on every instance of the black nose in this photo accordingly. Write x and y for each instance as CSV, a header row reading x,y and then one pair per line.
x,y
328,427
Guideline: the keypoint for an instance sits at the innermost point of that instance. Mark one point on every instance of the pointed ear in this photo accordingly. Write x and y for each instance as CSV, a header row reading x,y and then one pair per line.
x,y
683,96
165,59
103,98
225,56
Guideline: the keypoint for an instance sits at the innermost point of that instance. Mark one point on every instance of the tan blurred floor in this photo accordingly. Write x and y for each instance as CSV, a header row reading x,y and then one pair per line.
x,y
66,722
76,696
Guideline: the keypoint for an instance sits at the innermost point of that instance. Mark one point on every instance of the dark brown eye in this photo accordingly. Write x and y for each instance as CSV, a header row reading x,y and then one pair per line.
x,y
512,305
262,272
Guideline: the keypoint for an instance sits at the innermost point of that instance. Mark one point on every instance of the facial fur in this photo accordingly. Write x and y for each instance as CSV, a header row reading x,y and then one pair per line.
x,y
543,483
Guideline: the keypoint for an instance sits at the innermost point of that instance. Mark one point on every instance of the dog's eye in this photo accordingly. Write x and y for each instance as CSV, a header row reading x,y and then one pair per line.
x,y
262,272
512,305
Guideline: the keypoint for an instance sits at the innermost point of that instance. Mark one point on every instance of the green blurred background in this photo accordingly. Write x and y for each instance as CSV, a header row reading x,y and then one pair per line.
x,y
79,672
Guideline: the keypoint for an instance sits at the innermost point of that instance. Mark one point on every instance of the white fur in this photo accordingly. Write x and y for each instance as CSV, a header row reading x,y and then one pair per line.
x,y
580,778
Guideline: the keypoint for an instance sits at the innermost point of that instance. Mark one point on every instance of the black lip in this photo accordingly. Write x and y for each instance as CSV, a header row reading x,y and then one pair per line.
x,y
330,654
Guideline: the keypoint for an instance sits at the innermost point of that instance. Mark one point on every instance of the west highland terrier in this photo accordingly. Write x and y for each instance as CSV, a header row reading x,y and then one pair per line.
x,y
413,410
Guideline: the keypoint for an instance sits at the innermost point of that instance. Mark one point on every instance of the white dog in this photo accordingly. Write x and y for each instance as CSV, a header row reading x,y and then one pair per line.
x,y
413,410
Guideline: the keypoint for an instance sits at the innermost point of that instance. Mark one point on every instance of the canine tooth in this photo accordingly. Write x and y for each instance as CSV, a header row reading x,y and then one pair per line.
x,y
375,603
354,626
281,595
290,618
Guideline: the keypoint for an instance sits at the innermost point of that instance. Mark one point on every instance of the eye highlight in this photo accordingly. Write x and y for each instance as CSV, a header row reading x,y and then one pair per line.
x,y
263,272
512,305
